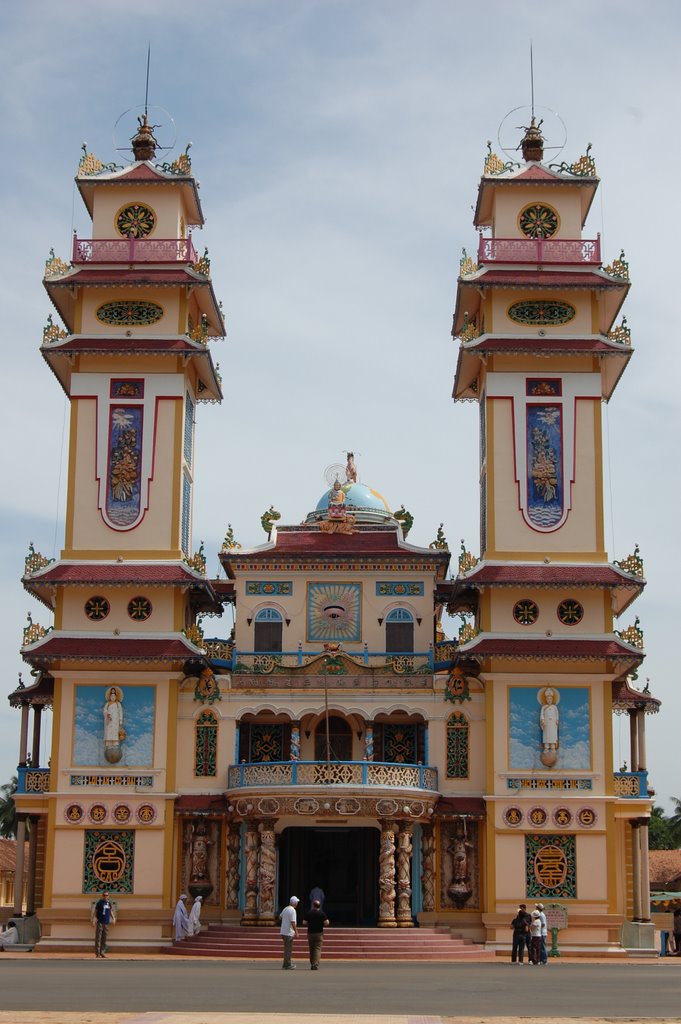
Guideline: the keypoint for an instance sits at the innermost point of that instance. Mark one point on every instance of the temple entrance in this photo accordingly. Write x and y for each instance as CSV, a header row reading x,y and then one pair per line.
x,y
342,861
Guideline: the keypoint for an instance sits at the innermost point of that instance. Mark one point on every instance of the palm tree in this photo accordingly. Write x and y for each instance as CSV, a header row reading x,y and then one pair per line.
x,y
8,811
675,821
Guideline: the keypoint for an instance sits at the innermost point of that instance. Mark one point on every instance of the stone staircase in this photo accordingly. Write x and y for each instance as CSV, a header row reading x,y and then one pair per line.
x,y
248,943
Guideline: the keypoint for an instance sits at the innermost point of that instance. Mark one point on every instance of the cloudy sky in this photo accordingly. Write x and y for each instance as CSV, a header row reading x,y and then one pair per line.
x,y
339,144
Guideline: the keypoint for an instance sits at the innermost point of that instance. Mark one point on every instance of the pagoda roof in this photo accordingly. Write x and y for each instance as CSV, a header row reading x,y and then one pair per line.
x,y
626,698
531,173
41,692
613,356
142,173
63,289
553,648
625,586
68,647
58,356
44,583
299,545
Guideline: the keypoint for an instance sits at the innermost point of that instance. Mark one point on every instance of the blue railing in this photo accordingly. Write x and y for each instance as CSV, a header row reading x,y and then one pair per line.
x,y
267,774
32,780
631,784
226,655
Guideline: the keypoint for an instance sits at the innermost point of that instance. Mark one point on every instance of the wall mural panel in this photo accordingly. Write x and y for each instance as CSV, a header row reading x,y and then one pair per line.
x,y
549,727
460,864
334,612
109,860
550,867
123,491
114,725
545,488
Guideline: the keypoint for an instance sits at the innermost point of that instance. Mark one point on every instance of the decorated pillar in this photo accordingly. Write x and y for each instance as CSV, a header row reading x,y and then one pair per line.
x,y
645,870
295,741
32,853
642,761
636,869
35,749
19,872
404,849
428,867
250,915
267,872
23,738
369,742
386,876
633,739
233,876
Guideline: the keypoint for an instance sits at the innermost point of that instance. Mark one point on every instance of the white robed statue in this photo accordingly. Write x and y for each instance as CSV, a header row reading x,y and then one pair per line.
x,y
114,733
549,721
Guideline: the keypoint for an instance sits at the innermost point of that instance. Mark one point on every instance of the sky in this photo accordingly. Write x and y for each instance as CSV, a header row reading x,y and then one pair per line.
x,y
339,145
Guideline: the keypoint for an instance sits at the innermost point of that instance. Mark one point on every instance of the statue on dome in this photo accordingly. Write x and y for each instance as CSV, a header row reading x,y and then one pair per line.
x,y
338,521
351,469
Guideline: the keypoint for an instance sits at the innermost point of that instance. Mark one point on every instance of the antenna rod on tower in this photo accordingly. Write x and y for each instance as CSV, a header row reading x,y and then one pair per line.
x,y
146,91
531,78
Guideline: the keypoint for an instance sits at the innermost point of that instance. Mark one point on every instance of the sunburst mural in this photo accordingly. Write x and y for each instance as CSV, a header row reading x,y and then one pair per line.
x,y
333,611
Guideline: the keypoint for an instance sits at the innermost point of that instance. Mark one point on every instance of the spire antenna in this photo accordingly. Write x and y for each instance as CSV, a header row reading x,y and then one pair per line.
x,y
146,90
531,78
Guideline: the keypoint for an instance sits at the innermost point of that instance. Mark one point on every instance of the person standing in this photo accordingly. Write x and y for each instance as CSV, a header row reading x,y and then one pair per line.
x,y
181,919
102,916
520,927
316,920
543,956
535,938
677,932
195,916
288,931
317,893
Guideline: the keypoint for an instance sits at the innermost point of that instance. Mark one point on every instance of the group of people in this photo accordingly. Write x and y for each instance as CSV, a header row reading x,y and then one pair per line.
x,y
187,922
315,919
529,935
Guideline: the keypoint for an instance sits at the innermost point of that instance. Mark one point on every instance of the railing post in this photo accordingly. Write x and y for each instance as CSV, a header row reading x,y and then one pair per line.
x,y
431,657
366,653
598,247
75,247
131,249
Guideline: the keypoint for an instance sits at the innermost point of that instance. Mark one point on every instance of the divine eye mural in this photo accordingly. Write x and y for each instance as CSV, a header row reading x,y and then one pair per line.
x,y
333,611
544,464
549,727
113,725
124,475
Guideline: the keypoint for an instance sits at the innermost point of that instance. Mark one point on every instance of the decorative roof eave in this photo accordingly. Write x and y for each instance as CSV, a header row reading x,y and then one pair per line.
x,y
613,358
45,582
143,173
460,807
60,355
554,648
626,698
40,693
625,587
530,175
58,647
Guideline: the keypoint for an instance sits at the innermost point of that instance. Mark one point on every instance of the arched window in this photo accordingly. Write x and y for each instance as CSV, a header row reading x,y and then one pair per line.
x,y
269,628
205,744
399,632
457,746
340,740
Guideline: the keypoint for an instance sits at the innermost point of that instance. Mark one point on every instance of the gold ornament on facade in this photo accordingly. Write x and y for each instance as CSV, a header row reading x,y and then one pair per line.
x,y
618,268
469,329
37,782
621,334
200,331
632,635
33,631
52,332
194,634
34,560
440,542
467,266
467,632
493,165
197,560
55,267
269,518
627,785
229,543
632,564
202,265
467,561
221,650
585,167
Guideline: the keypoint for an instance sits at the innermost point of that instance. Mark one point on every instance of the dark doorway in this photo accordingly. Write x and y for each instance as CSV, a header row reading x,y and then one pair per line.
x,y
342,861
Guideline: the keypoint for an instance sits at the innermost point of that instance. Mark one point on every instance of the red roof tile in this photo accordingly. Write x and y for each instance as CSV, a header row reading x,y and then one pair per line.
x,y
107,648
549,344
171,276
542,575
204,802
139,345
625,697
543,279
313,542
117,574
665,868
467,805
550,647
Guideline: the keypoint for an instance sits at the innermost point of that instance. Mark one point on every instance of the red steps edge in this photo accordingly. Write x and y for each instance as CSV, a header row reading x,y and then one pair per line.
x,y
251,943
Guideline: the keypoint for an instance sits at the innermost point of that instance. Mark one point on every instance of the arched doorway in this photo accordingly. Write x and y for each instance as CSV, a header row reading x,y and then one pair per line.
x,y
343,861
340,739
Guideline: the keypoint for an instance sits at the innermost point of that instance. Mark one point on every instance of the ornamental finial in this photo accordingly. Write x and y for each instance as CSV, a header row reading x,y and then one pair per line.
x,y
144,142
532,142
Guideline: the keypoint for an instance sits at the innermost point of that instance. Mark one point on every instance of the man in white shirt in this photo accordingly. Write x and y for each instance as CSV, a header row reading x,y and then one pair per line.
x,y
543,960
289,927
10,936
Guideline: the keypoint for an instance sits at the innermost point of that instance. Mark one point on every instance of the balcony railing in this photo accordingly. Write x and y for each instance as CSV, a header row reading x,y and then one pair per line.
x,y
33,780
133,250
266,775
268,662
540,250
631,784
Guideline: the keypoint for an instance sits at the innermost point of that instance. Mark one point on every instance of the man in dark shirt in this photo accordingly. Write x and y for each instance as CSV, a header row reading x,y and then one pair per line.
x,y
315,933
102,916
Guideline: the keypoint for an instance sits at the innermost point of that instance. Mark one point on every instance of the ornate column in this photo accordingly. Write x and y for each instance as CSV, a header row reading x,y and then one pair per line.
x,y
267,872
32,852
23,737
295,741
369,741
386,876
19,872
35,750
250,914
428,867
641,719
233,876
636,869
633,740
645,870
404,848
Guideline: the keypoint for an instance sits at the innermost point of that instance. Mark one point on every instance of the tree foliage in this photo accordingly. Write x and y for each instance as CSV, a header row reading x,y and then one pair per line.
x,y
665,831
8,811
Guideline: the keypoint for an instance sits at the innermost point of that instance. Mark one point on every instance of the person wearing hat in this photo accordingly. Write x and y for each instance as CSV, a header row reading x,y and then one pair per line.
x,y
535,937
316,919
181,919
543,954
288,930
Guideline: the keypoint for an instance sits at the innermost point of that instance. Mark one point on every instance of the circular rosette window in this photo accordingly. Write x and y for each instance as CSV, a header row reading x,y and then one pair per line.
x,y
97,608
139,608
570,612
135,220
538,221
525,612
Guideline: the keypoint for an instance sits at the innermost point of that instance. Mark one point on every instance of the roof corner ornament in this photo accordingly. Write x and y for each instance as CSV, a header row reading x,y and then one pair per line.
x,y
268,519
405,519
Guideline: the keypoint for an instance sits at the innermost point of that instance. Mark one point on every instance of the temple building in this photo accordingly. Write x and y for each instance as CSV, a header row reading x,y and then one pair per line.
x,y
336,737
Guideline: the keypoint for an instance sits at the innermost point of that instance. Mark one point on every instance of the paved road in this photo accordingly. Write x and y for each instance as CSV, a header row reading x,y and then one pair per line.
x,y
630,990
